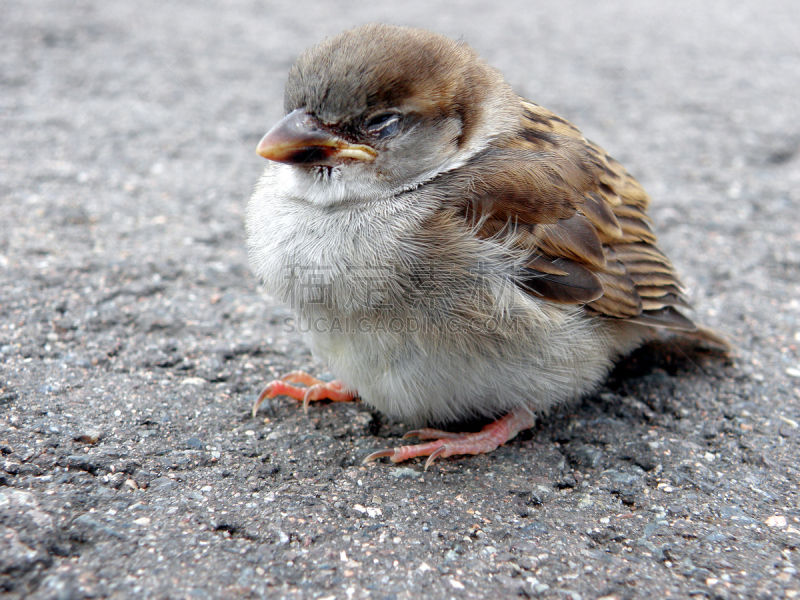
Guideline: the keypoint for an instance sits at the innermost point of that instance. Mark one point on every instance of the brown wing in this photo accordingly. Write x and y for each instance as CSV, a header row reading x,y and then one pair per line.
x,y
581,216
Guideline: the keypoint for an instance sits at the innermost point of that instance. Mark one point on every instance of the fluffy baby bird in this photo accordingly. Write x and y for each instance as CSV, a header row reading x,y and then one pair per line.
x,y
452,249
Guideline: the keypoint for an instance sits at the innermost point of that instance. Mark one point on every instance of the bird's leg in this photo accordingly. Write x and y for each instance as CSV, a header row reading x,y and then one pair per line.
x,y
315,389
447,444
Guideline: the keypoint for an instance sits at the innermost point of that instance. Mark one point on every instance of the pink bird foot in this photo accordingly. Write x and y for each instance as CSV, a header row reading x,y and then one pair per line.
x,y
448,444
314,389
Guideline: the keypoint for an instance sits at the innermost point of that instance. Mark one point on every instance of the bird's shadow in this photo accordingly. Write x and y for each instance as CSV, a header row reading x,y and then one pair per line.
x,y
669,356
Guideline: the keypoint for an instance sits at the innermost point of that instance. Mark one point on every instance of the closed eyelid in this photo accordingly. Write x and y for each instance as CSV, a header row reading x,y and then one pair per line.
x,y
381,120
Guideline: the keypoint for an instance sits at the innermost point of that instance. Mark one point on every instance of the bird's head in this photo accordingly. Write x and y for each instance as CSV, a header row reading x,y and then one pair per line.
x,y
380,109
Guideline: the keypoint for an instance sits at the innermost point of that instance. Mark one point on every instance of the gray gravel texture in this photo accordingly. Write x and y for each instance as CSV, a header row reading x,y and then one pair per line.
x,y
133,338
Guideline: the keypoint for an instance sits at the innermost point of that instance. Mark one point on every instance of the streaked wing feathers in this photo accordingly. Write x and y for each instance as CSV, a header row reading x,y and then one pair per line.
x,y
584,222
560,280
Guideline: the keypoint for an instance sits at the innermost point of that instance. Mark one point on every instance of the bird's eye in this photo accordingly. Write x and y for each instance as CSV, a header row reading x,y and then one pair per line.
x,y
383,124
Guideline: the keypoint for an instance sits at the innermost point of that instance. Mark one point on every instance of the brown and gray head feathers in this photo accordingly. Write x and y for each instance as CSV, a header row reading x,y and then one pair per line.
x,y
378,67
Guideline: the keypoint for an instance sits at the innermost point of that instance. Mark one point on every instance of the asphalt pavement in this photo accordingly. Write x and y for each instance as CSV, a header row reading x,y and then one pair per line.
x,y
133,338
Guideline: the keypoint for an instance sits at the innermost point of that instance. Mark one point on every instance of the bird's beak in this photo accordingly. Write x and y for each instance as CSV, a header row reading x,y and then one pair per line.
x,y
300,139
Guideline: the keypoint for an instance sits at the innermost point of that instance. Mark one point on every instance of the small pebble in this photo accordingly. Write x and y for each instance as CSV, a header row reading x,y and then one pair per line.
x,y
89,436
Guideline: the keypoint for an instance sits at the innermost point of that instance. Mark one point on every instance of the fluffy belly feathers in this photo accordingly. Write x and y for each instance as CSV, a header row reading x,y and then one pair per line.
x,y
426,340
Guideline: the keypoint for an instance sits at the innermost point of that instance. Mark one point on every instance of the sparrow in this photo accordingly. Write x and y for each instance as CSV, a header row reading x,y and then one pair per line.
x,y
450,249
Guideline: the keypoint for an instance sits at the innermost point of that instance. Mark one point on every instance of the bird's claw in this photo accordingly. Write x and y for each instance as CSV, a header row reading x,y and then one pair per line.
x,y
388,453
397,455
310,390
449,444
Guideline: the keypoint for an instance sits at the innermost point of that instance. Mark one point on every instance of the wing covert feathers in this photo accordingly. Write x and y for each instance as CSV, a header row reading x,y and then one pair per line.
x,y
580,217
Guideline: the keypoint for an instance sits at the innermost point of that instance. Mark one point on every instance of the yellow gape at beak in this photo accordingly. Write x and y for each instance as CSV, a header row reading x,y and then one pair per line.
x,y
300,139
